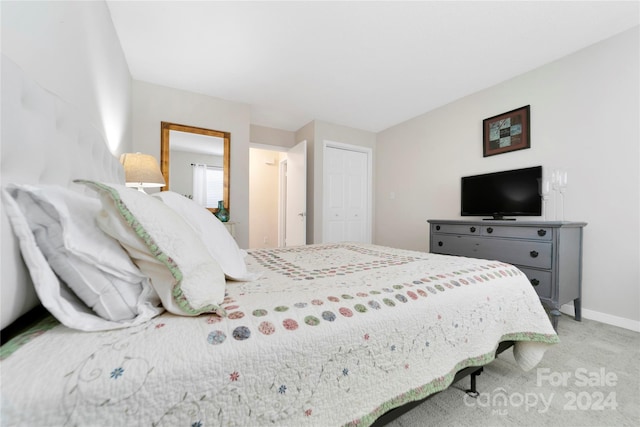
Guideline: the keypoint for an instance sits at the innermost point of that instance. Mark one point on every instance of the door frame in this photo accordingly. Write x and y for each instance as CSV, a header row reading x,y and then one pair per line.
x,y
296,183
282,202
326,144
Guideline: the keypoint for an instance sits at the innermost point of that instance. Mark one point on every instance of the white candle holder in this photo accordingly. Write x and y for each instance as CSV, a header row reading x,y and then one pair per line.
x,y
562,186
558,181
545,190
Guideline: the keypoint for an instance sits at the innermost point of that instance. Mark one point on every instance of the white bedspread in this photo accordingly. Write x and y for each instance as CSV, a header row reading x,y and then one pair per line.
x,y
329,335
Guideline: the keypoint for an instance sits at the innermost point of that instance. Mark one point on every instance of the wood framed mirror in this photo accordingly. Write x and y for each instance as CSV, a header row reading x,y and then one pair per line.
x,y
193,156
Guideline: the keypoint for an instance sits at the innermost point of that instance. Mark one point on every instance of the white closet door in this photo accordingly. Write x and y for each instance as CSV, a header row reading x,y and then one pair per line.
x,y
346,195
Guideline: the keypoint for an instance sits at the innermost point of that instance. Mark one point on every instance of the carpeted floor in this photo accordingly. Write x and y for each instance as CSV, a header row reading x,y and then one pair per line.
x,y
592,378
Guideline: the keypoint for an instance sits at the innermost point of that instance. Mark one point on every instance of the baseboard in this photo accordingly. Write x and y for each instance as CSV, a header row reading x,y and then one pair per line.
x,y
609,319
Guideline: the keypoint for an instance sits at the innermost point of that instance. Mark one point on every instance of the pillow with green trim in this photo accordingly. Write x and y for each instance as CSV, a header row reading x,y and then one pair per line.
x,y
222,247
165,248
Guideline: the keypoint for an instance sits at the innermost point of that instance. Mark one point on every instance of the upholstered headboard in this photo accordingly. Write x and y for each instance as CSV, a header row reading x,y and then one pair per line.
x,y
44,141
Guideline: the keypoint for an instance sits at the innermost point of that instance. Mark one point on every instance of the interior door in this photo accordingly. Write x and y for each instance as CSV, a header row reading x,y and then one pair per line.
x,y
296,196
346,213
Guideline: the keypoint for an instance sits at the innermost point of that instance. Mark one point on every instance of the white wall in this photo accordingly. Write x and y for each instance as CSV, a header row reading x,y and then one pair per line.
x,y
584,118
71,48
153,104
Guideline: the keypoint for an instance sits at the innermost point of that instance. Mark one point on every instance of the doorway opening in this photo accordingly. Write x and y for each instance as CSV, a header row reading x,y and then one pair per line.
x,y
277,196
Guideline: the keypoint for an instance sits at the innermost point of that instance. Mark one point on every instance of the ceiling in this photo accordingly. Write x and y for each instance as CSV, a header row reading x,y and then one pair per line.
x,y
367,65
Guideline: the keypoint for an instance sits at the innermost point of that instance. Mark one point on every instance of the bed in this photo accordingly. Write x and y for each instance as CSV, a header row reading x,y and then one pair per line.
x,y
325,334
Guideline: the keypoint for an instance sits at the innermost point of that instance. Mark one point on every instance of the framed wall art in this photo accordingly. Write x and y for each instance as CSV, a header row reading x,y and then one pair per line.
x,y
506,132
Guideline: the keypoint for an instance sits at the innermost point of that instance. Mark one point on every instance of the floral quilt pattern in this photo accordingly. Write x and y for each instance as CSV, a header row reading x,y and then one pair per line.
x,y
329,335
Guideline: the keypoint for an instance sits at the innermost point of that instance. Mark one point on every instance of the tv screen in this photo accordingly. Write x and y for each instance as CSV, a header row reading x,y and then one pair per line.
x,y
500,194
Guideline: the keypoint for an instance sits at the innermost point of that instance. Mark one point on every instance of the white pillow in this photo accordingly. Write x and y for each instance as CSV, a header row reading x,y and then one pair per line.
x,y
188,280
93,265
215,236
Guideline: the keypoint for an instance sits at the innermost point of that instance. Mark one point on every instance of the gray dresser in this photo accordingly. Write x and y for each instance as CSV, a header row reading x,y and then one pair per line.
x,y
548,252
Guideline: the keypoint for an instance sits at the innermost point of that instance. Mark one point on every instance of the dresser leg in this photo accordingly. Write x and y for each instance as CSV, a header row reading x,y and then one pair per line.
x,y
555,316
577,306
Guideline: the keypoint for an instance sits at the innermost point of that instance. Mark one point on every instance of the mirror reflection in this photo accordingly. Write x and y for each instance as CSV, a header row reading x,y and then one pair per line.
x,y
195,163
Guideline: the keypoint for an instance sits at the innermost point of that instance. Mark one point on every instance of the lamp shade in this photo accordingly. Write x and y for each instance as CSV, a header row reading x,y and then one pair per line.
x,y
141,171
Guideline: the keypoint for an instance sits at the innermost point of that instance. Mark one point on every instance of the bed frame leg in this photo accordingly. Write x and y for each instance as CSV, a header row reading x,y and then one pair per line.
x,y
473,391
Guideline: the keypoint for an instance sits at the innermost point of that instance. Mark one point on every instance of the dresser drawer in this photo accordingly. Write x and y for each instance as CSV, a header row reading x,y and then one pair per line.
x,y
456,229
540,280
449,244
525,253
533,233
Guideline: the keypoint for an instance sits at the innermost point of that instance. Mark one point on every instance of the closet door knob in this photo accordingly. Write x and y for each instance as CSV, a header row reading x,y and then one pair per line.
x,y
533,254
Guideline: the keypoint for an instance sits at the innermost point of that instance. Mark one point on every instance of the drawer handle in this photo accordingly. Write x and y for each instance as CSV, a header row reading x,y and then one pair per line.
x,y
438,227
472,229
533,254
542,232
440,243
535,282
489,230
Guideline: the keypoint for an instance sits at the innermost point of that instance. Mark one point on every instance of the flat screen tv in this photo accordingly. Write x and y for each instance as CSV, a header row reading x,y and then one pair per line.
x,y
503,194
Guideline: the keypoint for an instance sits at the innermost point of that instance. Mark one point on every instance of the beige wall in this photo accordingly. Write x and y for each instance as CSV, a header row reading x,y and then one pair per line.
x,y
153,104
584,119
271,136
264,199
